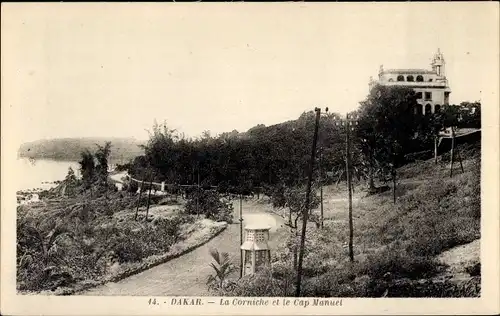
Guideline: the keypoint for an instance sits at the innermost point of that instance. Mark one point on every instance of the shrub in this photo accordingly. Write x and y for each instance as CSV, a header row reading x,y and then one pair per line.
x,y
168,228
476,187
133,186
428,288
128,251
225,214
208,203
399,264
474,270
260,284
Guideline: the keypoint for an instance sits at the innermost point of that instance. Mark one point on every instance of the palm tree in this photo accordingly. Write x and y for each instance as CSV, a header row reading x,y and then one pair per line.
x,y
40,242
223,268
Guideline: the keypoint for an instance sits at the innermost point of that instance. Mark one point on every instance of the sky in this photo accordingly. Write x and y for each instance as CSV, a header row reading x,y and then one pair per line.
x,y
109,69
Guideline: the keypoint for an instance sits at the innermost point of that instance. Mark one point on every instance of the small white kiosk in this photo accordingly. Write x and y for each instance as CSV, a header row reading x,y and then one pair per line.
x,y
257,253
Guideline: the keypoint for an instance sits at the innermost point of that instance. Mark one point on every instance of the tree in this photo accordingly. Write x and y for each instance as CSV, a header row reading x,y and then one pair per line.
x,y
87,169
293,199
470,114
71,182
102,157
160,153
223,267
70,176
386,126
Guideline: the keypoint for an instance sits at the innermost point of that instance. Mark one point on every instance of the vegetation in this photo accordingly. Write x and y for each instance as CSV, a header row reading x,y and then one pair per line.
x,y
238,162
209,204
388,131
85,230
85,235
395,245
223,267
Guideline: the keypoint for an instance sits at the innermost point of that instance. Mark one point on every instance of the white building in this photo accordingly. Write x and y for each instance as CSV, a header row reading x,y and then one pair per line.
x,y
431,86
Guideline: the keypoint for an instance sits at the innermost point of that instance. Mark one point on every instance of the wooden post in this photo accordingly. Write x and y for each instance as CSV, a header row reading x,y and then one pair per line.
x,y
241,236
394,184
198,195
341,173
452,150
460,159
321,188
349,186
149,195
436,150
253,262
305,210
139,200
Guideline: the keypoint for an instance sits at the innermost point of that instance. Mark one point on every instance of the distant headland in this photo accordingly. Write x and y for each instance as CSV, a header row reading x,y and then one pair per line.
x,y
69,149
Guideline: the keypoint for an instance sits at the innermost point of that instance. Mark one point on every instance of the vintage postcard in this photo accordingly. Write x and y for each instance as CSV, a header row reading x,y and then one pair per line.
x,y
250,158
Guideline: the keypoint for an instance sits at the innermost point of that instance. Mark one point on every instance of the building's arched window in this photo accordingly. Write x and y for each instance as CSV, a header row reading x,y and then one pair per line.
x,y
437,108
401,78
409,78
390,80
420,78
427,109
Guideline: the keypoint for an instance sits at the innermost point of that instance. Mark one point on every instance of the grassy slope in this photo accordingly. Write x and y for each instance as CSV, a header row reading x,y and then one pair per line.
x,y
433,213
395,246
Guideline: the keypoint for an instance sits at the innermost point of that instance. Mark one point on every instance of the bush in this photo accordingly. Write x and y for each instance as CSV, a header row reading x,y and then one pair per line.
x,y
129,250
133,186
399,264
208,203
428,288
168,228
474,270
261,284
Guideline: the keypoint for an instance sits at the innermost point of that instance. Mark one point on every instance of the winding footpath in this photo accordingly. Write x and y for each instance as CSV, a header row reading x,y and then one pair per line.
x,y
187,275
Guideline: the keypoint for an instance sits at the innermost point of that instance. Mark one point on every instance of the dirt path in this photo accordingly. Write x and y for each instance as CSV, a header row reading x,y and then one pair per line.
x,y
460,257
187,274
118,176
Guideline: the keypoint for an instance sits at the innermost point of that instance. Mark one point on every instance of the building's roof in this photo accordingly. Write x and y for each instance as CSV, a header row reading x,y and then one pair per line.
x,y
258,227
408,71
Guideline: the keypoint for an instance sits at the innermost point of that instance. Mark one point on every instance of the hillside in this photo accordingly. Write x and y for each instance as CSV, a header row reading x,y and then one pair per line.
x,y
425,245
123,149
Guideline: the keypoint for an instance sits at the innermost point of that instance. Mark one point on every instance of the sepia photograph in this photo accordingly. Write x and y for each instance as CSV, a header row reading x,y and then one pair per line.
x,y
224,156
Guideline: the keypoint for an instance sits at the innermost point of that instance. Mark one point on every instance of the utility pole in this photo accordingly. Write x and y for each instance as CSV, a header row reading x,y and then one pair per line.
x,y
349,121
349,185
452,154
321,186
305,210
241,236
452,150
198,195
393,178
321,178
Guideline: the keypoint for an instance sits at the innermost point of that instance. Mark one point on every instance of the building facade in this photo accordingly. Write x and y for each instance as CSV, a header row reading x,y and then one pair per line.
x,y
431,86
